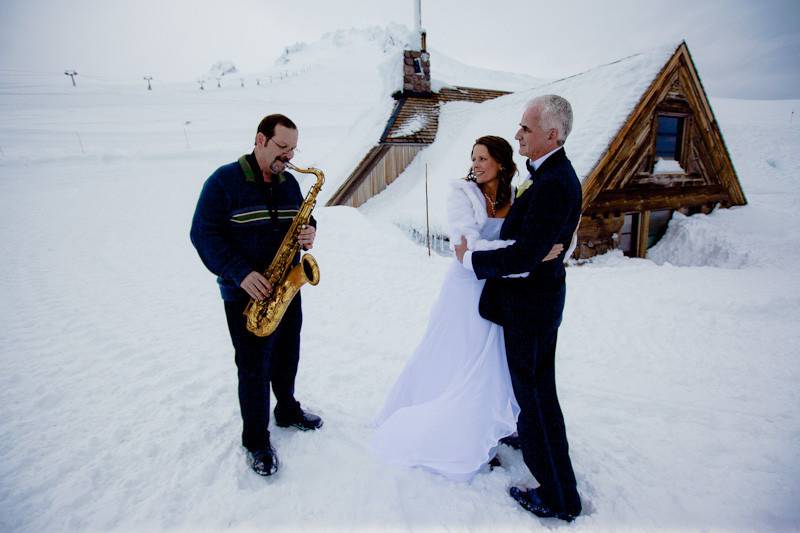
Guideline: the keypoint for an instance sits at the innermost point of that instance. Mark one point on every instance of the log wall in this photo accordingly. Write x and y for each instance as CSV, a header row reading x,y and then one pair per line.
x,y
384,171
597,235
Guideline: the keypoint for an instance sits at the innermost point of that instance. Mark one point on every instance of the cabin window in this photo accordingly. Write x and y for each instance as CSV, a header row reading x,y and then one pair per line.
x,y
657,226
669,136
418,67
627,235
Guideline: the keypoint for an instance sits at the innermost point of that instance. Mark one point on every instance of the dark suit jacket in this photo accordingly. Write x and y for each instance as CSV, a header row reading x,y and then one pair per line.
x,y
545,214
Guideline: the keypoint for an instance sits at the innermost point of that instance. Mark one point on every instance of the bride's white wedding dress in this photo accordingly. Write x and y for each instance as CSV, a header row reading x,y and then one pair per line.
x,y
453,401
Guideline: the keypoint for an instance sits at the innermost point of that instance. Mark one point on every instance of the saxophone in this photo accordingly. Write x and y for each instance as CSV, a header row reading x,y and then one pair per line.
x,y
263,316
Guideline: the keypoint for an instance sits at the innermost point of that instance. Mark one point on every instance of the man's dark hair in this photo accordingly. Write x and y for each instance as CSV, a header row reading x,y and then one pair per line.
x,y
268,123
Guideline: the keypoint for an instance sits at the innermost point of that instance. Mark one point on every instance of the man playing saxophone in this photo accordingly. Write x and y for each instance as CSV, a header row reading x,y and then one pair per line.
x,y
243,213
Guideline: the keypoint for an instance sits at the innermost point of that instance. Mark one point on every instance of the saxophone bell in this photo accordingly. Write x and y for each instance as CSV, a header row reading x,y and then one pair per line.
x,y
310,269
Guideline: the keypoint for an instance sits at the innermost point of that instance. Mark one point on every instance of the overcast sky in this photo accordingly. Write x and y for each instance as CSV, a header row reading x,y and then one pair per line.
x,y
743,48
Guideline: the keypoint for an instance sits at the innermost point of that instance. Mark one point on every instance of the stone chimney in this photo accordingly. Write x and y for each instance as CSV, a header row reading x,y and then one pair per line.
x,y
417,69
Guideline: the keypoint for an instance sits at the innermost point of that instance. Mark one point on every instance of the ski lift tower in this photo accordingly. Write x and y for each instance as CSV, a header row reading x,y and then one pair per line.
x,y
71,74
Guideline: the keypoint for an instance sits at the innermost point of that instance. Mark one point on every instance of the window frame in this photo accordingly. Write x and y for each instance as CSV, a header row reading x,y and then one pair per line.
x,y
419,69
632,233
680,136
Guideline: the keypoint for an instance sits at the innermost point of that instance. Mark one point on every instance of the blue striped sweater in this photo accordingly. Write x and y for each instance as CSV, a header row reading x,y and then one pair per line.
x,y
240,221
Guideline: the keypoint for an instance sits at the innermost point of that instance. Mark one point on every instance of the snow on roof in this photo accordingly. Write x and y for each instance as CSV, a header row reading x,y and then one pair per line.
x,y
411,126
602,98
447,72
428,108
354,72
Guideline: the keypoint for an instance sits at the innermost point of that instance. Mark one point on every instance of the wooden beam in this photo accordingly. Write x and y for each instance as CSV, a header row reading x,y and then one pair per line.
x,y
725,170
637,160
641,234
631,199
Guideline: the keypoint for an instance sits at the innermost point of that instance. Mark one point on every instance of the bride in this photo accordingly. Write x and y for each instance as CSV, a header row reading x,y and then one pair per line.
x,y
453,401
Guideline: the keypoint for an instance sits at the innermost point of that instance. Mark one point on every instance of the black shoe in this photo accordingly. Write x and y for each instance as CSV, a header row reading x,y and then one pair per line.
x,y
299,419
512,441
263,462
529,499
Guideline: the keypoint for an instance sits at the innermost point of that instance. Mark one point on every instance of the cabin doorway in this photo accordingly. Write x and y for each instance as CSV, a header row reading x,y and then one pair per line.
x,y
642,230
657,227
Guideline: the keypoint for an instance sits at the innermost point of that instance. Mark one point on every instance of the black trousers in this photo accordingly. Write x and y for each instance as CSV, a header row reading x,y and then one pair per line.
x,y
531,354
262,361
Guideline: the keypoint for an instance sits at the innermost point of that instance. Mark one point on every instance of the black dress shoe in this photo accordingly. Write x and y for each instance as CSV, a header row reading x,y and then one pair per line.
x,y
263,462
299,419
529,499
511,440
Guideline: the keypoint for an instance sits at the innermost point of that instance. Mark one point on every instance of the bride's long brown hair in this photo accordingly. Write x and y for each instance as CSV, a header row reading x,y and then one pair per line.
x,y
503,154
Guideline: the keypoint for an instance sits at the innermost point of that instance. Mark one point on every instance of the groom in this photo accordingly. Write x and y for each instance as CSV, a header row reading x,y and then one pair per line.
x,y
546,212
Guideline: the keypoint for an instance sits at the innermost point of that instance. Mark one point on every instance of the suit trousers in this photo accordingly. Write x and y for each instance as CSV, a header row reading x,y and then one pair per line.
x,y
262,361
531,354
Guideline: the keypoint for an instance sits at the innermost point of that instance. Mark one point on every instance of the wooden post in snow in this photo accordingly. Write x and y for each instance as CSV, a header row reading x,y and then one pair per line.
x,y
427,220
186,134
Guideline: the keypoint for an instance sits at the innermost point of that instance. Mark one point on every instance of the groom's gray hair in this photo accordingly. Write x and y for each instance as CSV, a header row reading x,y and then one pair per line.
x,y
556,113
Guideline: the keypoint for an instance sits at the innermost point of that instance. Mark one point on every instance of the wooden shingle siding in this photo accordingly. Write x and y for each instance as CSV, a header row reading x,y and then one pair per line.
x,y
357,177
383,165
468,94
397,146
391,165
428,109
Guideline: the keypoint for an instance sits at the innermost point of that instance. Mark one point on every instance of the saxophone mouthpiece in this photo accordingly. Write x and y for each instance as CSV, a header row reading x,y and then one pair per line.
x,y
305,170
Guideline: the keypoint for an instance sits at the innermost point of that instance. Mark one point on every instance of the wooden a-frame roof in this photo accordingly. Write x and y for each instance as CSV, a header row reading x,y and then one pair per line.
x,y
617,167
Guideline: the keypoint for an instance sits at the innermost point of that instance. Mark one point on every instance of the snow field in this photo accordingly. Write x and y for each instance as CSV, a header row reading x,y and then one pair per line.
x,y
118,394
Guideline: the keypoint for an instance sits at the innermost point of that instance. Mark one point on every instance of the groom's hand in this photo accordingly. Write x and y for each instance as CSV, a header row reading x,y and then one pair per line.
x,y
461,248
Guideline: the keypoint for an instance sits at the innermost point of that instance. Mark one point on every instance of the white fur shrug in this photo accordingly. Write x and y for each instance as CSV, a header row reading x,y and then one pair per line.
x,y
466,214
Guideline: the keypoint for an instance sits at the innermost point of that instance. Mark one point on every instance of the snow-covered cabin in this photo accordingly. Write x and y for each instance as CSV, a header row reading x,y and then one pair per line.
x,y
644,143
668,155
411,127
